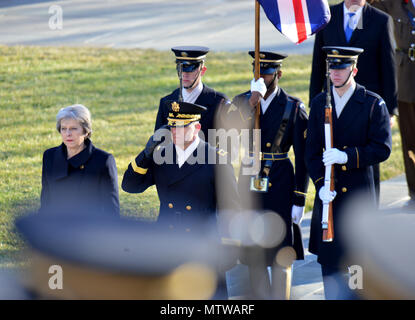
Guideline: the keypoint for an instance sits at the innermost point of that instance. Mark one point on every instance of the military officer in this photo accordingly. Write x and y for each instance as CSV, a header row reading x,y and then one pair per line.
x,y
403,14
193,179
361,138
283,124
190,64
355,23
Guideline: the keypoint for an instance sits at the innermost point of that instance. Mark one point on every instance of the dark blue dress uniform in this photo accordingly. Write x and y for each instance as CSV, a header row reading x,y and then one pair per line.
x,y
363,132
189,191
195,192
185,193
287,187
190,57
86,184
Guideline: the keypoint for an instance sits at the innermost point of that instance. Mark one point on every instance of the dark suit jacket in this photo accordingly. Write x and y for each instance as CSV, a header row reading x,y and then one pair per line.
x,y
208,98
86,184
377,71
363,132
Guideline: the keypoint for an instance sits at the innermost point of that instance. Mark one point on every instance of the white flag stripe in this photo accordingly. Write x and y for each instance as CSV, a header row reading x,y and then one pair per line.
x,y
287,18
306,18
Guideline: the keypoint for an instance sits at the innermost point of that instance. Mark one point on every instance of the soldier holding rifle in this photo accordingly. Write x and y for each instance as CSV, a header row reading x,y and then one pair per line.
x,y
361,137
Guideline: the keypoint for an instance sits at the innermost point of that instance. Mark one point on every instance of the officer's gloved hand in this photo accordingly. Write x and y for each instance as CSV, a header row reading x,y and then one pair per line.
x,y
326,195
152,143
259,86
297,214
333,155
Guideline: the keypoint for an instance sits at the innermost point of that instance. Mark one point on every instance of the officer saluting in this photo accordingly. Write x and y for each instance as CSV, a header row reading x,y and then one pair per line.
x,y
190,64
277,188
185,181
361,138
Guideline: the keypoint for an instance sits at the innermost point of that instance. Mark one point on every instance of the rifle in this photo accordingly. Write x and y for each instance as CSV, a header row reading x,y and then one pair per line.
x,y
180,71
327,217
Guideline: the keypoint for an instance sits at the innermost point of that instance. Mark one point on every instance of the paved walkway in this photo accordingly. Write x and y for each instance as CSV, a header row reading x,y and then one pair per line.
x,y
222,25
307,281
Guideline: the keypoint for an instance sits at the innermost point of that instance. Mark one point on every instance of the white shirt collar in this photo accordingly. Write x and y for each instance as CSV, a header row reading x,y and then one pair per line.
x,y
192,96
183,155
340,102
265,103
355,19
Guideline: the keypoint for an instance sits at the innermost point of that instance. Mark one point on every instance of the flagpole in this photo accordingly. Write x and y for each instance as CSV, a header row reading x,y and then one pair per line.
x,y
257,137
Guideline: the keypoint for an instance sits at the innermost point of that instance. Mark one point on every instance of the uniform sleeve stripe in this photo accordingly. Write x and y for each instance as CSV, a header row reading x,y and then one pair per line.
x,y
138,169
318,180
301,193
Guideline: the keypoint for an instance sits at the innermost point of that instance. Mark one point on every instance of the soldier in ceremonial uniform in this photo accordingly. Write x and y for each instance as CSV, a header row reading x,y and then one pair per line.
x,y
361,138
355,23
193,180
283,124
403,14
190,62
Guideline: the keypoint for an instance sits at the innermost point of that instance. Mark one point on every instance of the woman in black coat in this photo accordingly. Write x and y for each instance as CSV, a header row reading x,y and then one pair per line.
x,y
77,178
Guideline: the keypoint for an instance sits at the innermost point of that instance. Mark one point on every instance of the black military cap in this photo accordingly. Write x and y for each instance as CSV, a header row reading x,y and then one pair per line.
x,y
342,57
190,57
181,114
269,62
113,258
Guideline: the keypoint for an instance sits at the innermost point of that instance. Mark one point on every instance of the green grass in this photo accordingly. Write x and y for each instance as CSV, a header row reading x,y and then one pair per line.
x,y
122,89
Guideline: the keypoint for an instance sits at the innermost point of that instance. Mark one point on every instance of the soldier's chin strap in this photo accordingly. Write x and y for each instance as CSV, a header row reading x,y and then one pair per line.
x,y
193,83
273,80
348,78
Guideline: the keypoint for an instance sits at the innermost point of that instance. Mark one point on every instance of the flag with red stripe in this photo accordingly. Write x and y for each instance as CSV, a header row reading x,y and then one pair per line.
x,y
297,19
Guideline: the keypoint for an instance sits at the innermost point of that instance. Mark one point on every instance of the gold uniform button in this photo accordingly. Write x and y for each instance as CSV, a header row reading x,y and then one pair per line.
x,y
188,208
269,184
268,144
344,168
82,167
170,205
345,147
344,189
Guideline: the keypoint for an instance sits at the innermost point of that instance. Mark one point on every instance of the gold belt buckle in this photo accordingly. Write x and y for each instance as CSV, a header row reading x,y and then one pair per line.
x,y
411,53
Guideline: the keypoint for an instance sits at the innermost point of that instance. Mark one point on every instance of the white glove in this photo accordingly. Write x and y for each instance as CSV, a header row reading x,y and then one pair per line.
x,y
333,155
297,214
326,195
259,86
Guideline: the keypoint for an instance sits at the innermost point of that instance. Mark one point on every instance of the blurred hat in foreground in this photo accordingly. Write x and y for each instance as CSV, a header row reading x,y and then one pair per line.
x,y
381,242
111,258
